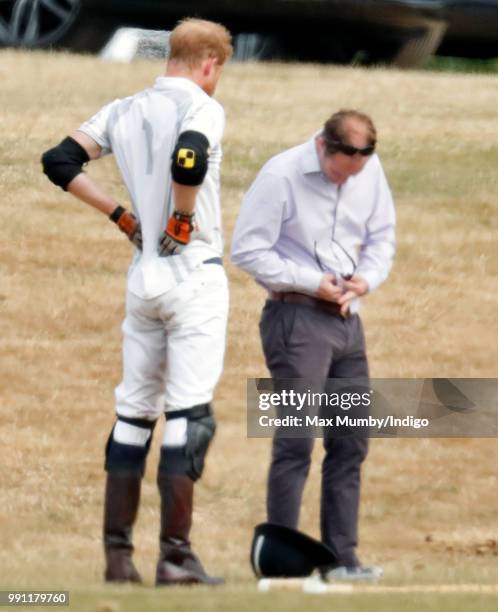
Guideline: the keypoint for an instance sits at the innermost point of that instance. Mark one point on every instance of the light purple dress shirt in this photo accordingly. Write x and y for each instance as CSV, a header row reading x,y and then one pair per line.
x,y
294,224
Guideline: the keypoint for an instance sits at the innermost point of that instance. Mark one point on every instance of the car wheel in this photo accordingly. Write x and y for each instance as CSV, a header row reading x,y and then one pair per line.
x,y
50,23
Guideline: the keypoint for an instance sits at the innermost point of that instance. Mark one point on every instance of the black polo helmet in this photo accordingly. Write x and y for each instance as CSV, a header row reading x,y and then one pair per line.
x,y
279,552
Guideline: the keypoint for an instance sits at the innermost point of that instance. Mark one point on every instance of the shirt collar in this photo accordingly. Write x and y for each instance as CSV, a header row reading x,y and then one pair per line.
x,y
310,163
163,82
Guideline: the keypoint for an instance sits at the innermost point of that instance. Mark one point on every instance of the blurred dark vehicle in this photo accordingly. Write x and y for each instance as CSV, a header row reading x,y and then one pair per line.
x,y
404,32
472,28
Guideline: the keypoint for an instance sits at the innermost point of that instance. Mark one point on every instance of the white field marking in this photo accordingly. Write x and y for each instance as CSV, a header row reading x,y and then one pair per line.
x,y
311,584
314,585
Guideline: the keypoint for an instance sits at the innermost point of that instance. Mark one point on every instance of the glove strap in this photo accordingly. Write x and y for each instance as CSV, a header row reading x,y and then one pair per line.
x,y
125,220
116,213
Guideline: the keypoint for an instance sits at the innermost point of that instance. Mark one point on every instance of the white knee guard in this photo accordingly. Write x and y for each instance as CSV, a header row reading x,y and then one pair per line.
x,y
128,445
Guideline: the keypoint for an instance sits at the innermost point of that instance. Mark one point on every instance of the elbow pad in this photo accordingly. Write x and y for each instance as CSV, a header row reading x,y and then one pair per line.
x,y
189,162
64,162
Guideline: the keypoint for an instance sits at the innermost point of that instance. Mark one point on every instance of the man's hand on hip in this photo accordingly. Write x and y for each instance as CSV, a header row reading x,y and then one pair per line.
x,y
177,234
180,231
128,224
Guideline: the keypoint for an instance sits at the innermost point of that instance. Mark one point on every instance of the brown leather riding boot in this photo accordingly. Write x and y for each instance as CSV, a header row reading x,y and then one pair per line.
x,y
121,505
177,562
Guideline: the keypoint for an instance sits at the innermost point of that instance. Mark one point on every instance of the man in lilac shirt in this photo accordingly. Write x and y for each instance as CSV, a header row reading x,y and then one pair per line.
x,y
316,229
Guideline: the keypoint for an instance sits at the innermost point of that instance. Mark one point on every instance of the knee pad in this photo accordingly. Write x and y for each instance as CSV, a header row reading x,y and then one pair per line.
x,y
128,445
188,458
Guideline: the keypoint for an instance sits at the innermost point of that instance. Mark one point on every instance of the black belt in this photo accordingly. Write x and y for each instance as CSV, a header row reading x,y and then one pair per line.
x,y
214,260
308,300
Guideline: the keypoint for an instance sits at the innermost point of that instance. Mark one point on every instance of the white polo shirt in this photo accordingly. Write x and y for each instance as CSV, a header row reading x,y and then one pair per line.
x,y
141,131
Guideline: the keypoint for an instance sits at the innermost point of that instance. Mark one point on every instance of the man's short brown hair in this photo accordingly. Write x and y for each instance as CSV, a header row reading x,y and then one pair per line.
x,y
338,127
193,40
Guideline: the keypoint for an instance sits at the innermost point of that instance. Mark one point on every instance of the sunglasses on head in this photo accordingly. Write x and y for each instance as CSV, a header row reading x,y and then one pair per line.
x,y
350,150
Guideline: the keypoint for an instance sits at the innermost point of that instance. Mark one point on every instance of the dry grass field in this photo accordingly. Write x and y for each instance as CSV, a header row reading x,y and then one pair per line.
x,y
429,507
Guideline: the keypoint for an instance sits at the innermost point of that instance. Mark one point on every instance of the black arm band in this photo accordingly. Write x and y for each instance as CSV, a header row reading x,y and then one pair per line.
x,y
189,162
64,162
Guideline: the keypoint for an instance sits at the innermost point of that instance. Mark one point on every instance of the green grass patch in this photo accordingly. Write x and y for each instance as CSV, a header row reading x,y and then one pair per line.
x,y
462,64
129,599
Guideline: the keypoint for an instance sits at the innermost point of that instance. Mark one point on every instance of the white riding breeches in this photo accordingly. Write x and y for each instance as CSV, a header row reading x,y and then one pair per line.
x,y
173,346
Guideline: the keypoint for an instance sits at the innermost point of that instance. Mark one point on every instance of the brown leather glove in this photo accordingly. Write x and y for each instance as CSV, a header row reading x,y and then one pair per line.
x,y
128,224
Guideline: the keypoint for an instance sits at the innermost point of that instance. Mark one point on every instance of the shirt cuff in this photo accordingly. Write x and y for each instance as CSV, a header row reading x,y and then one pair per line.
x,y
372,277
308,280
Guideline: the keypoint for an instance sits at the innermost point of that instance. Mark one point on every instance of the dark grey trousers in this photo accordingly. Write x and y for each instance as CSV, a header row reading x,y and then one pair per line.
x,y
302,342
